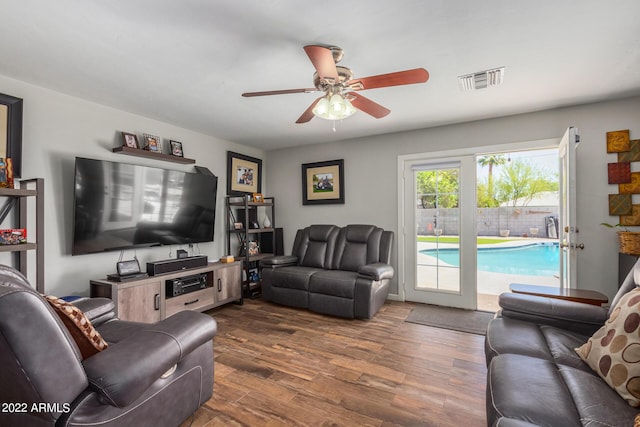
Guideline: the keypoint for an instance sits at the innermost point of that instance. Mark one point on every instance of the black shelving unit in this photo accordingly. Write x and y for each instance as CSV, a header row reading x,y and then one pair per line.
x,y
29,188
246,230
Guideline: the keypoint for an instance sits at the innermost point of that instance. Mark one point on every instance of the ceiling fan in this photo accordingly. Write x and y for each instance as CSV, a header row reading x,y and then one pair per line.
x,y
341,97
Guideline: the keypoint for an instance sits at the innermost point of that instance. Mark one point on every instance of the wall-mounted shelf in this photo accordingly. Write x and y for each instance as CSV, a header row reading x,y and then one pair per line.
x,y
151,155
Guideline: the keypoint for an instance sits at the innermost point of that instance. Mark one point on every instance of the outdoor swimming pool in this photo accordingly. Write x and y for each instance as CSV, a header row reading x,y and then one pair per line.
x,y
537,259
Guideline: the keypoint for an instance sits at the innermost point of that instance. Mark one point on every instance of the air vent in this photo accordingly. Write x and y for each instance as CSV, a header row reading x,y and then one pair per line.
x,y
481,80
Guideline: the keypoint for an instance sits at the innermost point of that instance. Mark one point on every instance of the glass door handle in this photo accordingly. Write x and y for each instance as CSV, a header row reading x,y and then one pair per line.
x,y
564,245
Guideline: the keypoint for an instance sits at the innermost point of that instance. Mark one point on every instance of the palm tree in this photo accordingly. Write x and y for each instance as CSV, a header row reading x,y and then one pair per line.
x,y
491,161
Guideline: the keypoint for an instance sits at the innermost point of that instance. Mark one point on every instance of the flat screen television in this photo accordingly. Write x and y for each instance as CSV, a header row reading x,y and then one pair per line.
x,y
120,206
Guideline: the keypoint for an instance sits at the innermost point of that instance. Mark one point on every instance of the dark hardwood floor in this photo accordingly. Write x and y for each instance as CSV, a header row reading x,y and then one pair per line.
x,y
282,366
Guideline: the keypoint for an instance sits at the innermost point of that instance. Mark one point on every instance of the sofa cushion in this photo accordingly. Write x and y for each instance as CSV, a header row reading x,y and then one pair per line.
x,y
357,245
86,337
529,389
614,350
334,282
505,335
316,246
597,403
293,277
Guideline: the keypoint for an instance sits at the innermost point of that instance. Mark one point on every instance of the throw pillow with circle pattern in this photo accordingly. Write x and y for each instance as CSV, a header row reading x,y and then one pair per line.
x,y
86,337
613,351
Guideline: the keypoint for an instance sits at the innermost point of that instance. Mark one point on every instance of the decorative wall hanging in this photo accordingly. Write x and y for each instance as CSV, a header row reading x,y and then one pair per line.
x,y
618,141
244,174
619,173
11,131
323,182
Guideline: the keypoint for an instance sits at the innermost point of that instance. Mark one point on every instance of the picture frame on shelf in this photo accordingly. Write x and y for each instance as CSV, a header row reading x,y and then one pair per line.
x,y
244,174
254,249
323,182
258,198
130,140
11,131
176,148
152,143
6,173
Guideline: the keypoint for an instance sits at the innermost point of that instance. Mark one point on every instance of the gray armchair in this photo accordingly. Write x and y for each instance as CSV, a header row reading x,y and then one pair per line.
x,y
149,375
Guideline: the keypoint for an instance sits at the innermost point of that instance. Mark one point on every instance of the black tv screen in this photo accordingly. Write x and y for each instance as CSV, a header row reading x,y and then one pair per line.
x,y
119,206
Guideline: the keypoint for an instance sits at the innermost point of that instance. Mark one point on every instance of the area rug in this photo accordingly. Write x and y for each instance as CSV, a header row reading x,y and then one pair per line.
x,y
457,319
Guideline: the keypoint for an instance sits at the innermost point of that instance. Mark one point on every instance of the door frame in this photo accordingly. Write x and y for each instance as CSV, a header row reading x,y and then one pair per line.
x,y
406,232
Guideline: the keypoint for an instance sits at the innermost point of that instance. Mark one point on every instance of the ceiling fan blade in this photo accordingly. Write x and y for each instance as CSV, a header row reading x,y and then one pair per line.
x,y
368,106
322,60
308,114
279,92
407,77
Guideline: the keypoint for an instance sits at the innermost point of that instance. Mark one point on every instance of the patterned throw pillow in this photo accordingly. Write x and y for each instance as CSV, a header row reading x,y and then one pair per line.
x,y
82,331
614,350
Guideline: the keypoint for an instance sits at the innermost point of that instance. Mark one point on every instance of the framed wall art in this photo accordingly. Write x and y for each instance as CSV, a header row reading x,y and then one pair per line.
x,y
176,148
11,131
130,140
152,143
323,182
244,174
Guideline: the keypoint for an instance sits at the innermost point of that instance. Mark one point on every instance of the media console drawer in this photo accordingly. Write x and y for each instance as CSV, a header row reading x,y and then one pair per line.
x,y
191,301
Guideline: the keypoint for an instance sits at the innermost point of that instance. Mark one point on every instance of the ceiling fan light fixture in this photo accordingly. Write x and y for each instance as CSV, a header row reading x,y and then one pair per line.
x,y
333,107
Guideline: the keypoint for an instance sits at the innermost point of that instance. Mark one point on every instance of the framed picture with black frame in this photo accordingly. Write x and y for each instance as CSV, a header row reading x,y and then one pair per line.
x,y
11,131
176,148
244,174
323,183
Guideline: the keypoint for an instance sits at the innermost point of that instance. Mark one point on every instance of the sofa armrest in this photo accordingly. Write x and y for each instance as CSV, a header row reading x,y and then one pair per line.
x,y
377,271
568,315
279,261
122,372
97,310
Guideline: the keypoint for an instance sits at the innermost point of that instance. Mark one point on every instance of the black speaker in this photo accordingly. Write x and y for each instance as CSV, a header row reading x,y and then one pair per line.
x,y
267,242
171,265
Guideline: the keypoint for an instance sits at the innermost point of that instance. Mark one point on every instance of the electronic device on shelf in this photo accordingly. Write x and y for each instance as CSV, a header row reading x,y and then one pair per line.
x,y
121,206
185,285
128,267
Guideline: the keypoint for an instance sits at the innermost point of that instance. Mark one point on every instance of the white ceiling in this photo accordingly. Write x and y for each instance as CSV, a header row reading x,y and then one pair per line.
x,y
186,62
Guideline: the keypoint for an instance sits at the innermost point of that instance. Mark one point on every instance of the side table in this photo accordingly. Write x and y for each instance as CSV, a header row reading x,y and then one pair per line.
x,y
577,295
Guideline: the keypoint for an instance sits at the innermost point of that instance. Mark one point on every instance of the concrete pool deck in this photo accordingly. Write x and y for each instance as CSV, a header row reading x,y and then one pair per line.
x,y
489,284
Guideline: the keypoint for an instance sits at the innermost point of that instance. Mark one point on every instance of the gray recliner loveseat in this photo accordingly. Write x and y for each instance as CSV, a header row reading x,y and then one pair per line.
x,y
536,378
332,270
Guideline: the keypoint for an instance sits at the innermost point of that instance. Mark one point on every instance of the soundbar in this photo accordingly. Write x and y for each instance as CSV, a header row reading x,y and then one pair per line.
x,y
170,265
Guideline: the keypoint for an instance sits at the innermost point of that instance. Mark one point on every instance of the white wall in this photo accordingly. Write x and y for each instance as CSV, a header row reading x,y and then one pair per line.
x,y
371,175
57,128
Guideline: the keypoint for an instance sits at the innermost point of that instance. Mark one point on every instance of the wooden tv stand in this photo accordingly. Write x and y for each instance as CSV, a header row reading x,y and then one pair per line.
x,y
145,299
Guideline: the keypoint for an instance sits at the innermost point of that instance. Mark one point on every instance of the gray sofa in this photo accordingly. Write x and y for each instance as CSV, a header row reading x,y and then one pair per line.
x,y
332,270
535,377
149,375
